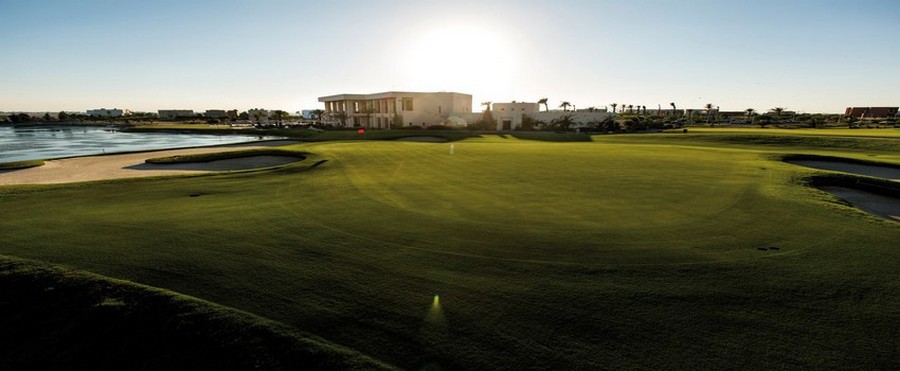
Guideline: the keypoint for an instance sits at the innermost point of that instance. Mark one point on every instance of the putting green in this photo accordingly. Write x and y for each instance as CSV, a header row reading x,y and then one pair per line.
x,y
575,203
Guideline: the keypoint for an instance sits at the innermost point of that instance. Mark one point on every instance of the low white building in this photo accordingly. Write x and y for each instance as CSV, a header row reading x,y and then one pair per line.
x,y
509,115
380,110
171,114
216,114
103,112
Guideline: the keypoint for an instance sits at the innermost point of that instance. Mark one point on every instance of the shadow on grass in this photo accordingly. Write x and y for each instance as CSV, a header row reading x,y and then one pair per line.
x,y
60,319
552,137
242,163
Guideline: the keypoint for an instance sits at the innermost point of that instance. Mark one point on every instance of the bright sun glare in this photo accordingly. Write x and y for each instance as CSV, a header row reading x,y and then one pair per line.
x,y
459,57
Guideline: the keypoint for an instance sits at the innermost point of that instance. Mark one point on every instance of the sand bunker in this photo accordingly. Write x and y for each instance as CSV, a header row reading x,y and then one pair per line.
x,y
885,172
883,206
131,165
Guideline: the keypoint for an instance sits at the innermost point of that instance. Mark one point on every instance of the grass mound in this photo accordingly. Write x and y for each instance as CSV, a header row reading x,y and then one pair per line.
x,y
209,157
18,165
58,319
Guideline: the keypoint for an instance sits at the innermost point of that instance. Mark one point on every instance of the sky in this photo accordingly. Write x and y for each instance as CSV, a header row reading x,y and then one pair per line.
x,y
804,55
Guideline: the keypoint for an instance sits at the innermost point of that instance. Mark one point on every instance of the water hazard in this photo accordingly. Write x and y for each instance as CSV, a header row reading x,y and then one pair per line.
x,y
19,143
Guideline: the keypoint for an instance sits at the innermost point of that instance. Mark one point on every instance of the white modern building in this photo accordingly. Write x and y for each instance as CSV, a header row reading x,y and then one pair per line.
x,y
103,112
379,110
509,115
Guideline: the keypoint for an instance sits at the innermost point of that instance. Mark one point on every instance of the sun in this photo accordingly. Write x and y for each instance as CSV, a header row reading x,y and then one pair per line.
x,y
459,56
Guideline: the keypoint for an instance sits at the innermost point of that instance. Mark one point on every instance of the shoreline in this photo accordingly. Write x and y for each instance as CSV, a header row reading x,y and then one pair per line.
x,y
132,165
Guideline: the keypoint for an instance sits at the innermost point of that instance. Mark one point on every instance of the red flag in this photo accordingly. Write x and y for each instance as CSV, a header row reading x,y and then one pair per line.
x,y
361,131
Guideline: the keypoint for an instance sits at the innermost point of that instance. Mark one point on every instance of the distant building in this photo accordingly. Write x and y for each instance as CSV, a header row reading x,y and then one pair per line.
x,y
103,112
307,114
380,109
171,114
509,115
871,112
216,114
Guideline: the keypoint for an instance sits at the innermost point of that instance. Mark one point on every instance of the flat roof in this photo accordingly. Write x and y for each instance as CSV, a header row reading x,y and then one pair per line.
x,y
383,95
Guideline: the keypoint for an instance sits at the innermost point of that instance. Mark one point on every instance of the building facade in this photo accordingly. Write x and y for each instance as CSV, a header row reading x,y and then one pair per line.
x,y
380,110
103,112
216,114
871,112
509,115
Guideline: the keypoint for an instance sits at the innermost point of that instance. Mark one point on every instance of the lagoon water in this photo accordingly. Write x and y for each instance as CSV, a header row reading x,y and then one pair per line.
x,y
19,143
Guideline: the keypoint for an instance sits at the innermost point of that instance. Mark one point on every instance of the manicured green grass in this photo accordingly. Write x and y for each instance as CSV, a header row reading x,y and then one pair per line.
x,y
629,251
17,165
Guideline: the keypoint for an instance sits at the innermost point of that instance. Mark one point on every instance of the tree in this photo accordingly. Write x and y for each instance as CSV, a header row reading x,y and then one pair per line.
x,y
544,102
487,105
397,121
487,121
614,105
62,116
280,115
342,117
778,111
645,109
708,108
46,116
368,111
562,123
565,105
317,114
750,112
243,116
674,109
630,108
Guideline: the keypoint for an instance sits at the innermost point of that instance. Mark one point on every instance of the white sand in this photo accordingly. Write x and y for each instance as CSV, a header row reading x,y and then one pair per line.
x,y
883,206
870,170
131,165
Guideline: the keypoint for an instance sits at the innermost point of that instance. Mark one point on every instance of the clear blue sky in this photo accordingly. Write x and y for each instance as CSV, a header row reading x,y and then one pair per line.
x,y
809,56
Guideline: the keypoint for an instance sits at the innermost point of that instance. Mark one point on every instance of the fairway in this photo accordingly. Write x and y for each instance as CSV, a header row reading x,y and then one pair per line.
x,y
655,251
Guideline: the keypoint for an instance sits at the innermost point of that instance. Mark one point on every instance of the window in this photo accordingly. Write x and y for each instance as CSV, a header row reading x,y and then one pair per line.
x,y
407,104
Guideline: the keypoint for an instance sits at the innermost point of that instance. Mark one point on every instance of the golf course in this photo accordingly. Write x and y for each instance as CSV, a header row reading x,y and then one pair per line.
x,y
703,249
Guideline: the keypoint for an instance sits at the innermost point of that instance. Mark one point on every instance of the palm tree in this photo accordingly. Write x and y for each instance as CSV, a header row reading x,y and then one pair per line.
x,y
645,109
318,113
673,108
630,108
708,107
750,114
544,102
487,105
778,111
565,105
614,105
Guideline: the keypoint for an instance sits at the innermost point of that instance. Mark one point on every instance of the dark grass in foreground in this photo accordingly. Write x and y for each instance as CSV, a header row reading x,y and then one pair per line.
x,y
52,318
